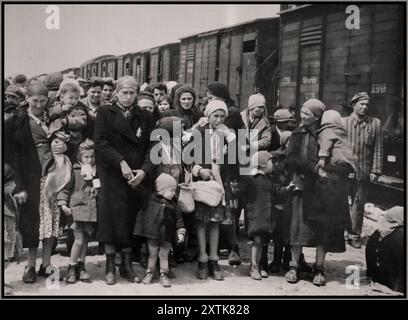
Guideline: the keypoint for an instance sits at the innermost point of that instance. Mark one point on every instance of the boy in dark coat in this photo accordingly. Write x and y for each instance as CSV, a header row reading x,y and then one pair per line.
x,y
159,222
259,208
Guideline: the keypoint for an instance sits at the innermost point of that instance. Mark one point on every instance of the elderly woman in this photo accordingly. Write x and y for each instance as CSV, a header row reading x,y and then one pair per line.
x,y
122,139
30,156
319,203
208,218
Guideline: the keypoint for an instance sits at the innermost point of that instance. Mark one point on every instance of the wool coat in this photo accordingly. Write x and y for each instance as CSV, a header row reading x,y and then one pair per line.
x,y
117,138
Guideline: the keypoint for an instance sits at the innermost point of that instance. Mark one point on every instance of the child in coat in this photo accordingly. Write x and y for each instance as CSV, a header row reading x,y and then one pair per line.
x,y
281,185
160,222
259,207
335,153
69,114
78,199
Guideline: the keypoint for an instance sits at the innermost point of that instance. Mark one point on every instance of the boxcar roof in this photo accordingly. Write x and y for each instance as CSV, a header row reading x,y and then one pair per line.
x,y
227,28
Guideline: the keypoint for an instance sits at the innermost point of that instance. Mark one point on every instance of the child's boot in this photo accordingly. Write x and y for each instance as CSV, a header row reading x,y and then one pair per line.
x,y
234,259
148,277
202,270
110,276
83,274
164,280
215,270
72,275
254,272
318,276
292,276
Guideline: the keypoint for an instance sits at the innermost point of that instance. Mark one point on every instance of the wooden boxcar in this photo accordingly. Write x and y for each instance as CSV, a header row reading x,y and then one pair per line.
x,y
198,60
108,67
164,63
93,67
320,57
248,60
243,56
141,66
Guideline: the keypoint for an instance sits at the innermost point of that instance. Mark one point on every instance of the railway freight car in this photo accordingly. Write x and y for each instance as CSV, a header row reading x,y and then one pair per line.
x,y
164,63
248,60
108,67
244,56
93,67
323,57
199,60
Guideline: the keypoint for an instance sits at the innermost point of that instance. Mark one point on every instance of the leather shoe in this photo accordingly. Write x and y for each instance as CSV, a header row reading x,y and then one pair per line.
x,y
215,270
202,270
29,275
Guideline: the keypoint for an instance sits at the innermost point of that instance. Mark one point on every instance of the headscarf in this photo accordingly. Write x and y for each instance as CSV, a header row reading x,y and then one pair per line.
x,y
316,106
391,219
220,90
215,105
126,82
332,117
37,88
256,100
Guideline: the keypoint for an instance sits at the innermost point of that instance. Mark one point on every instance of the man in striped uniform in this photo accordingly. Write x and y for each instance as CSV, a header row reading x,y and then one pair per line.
x,y
364,134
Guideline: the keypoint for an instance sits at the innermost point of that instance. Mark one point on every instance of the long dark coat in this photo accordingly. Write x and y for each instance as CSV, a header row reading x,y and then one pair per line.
x,y
117,139
259,207
24,159
321,220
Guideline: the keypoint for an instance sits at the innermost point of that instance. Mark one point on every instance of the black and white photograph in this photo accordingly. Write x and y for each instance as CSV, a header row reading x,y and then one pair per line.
x,y
204,150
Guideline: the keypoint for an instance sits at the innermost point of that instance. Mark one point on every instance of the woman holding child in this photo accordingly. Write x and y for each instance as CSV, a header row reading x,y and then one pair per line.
x,y
319,200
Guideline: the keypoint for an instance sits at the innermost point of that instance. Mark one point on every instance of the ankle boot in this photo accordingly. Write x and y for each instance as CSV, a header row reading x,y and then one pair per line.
x,y
110,276
83,274
126,268
72,276
318,276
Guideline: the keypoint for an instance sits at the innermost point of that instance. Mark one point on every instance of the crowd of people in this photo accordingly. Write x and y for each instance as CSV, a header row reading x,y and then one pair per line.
x,y
80,155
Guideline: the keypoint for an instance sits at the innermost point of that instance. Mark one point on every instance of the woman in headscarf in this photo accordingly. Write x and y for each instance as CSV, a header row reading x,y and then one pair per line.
x,y
122,142
30,155
185,108
319,202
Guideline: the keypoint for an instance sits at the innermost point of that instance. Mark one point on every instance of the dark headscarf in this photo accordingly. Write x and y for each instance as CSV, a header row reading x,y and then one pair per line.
x,y
190,116
220,90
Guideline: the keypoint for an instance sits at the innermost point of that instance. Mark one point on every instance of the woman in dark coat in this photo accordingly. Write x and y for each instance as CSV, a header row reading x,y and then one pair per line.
x,y
122,141
318,204
185,108
30,155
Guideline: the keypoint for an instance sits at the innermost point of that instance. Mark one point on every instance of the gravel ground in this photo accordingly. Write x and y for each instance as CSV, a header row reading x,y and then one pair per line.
x,y
236,283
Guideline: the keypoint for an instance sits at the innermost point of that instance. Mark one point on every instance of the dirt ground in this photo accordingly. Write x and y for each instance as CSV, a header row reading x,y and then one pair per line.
x,y
236,283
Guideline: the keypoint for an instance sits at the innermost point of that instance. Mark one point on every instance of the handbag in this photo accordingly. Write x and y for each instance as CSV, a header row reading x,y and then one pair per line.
x,y
208,192
185,200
